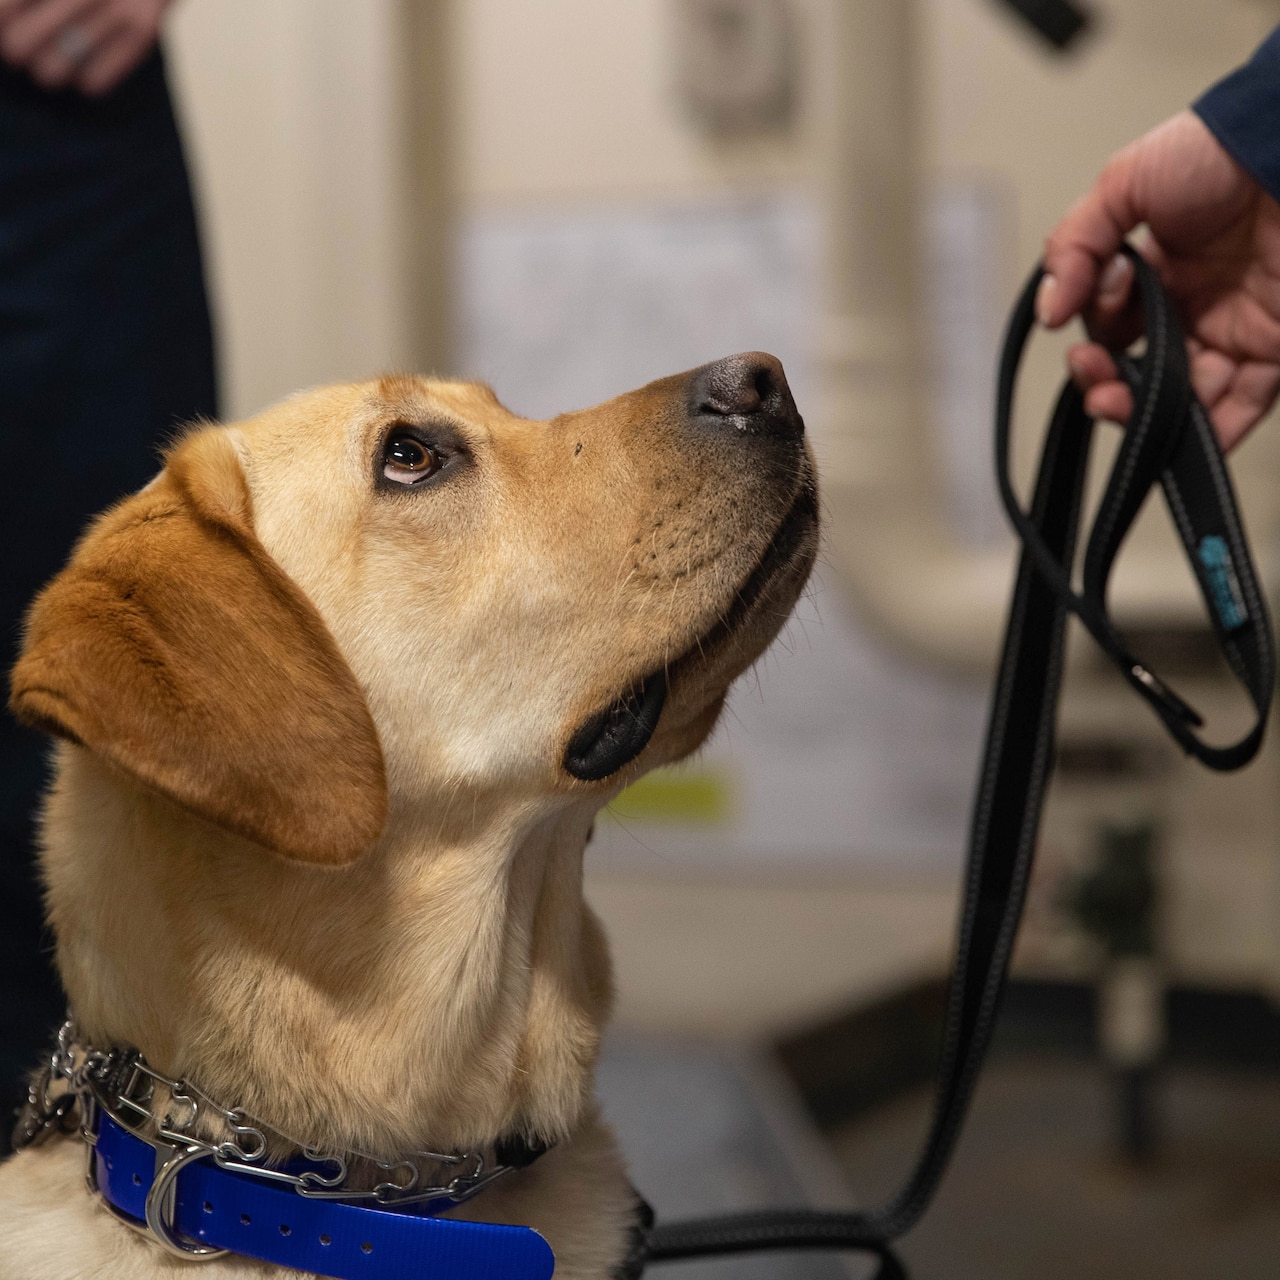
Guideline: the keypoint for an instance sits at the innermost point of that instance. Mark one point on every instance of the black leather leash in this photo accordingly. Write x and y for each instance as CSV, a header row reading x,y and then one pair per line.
x,y
1168,442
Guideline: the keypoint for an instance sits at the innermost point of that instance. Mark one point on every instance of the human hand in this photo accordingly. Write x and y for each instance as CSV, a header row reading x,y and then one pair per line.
x,y
1213,237
89,44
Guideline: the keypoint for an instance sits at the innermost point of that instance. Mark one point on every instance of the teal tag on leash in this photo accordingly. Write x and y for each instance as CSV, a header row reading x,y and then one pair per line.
x,y
1224,586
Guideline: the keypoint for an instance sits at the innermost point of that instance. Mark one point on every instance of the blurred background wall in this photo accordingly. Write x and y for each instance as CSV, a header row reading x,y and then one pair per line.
x,y
569,198
545,196
295,118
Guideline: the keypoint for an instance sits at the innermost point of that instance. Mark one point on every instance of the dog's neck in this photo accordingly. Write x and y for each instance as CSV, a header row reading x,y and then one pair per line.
x,y
447,989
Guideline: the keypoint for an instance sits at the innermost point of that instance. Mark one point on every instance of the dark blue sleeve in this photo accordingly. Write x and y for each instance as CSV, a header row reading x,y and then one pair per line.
x,y
1243,112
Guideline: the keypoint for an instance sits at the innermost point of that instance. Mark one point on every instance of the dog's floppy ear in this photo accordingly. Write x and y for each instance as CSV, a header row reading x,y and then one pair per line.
x,y
175,647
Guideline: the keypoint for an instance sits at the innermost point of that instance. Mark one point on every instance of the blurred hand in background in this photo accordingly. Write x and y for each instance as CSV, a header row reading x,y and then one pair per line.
x,y
1213,234
90,45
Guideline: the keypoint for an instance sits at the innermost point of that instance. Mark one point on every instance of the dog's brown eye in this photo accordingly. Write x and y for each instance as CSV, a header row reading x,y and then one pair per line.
x,y
407,460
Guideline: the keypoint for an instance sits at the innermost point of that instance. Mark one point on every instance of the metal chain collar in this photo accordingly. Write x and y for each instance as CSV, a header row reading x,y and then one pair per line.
x,y
78,1079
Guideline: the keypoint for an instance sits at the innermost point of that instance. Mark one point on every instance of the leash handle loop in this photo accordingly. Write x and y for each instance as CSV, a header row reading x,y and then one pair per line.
x,y
1170,442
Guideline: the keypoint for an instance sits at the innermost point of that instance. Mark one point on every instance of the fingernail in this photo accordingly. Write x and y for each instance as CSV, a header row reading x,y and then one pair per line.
x,y
1114,279
1045,295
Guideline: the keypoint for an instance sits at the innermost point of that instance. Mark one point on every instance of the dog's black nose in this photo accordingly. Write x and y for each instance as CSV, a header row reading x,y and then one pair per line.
x,y
749,392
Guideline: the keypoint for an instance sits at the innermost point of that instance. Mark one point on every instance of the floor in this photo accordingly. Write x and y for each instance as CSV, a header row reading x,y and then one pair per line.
x,y
709,1130
710,971
1036,1190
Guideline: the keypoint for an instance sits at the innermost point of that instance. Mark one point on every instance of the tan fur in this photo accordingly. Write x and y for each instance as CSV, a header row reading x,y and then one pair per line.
x,y
310,843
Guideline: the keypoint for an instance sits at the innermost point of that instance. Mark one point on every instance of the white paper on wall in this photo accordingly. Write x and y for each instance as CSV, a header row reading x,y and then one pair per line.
x,y
563,307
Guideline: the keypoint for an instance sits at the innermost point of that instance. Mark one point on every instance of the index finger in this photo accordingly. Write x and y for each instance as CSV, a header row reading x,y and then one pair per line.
x,y
1088,236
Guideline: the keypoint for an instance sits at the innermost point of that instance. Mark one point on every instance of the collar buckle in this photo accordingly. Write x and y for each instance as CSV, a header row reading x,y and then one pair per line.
x,y
162,1201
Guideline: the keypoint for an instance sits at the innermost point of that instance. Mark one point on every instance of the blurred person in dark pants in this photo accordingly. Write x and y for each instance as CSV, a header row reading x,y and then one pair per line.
x,y
105,348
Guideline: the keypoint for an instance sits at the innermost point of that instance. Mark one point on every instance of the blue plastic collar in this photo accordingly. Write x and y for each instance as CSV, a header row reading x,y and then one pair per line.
x,y
348,1242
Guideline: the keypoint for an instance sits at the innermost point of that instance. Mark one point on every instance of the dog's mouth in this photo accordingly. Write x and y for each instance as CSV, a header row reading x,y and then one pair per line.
x,y
614,736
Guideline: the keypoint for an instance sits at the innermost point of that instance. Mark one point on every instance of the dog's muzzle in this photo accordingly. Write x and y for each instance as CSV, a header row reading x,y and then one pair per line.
x,y
740,396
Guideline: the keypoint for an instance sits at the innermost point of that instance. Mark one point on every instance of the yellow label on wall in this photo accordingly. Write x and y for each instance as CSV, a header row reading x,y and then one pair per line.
x,y
676,795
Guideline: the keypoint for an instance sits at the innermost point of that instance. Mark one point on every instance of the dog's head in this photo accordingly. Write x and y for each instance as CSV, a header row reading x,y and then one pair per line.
x,y
399,590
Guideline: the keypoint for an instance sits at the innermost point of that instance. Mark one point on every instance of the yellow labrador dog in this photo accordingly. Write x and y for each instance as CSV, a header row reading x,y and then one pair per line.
x,y
338,696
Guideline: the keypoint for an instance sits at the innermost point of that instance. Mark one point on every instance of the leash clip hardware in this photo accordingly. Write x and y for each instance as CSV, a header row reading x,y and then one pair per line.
x,y
1165,696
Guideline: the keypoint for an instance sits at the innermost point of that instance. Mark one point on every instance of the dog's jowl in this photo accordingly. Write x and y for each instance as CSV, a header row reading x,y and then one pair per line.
x,y
335,700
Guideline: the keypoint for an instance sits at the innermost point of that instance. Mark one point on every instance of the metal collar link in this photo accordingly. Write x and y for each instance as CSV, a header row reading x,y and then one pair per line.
x,y
80,1083
51,1105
